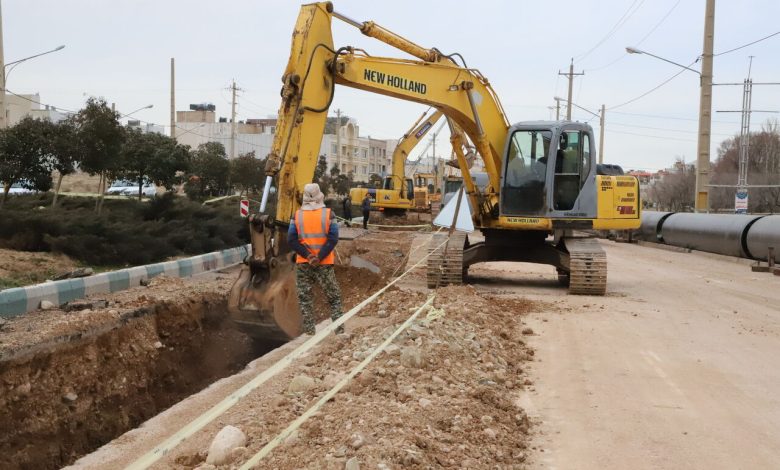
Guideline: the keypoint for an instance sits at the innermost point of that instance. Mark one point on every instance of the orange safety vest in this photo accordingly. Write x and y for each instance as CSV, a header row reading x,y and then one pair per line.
x,y
312,227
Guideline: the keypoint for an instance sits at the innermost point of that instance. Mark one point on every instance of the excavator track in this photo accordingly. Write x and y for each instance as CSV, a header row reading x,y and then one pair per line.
x,y
587,267
445,263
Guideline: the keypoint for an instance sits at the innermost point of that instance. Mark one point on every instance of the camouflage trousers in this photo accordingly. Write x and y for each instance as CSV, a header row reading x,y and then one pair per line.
x,y
305,277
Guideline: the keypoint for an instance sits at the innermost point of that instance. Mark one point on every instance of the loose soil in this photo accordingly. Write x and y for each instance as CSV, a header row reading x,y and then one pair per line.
x,y
458,408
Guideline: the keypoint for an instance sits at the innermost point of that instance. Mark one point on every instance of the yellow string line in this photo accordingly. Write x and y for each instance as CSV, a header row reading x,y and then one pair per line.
x,y
146,460
273,443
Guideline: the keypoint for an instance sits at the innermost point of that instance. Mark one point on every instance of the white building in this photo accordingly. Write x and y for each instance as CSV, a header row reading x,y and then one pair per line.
x,y
351,152
200,126
348,150
146,127
17,107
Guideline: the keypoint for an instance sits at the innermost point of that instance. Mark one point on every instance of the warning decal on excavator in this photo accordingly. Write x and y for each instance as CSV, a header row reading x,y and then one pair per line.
x,y
394,81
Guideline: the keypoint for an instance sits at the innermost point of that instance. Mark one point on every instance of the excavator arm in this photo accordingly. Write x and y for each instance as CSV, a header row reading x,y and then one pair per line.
x,y
462,94
408,142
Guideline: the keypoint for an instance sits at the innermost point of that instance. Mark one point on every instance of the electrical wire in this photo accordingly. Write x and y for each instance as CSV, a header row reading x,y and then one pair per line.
x,y
639,43
674,118
746,45
652,136
652,89
622,21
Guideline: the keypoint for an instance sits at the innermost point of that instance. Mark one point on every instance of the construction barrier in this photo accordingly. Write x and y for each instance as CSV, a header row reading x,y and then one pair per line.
x,y
20,300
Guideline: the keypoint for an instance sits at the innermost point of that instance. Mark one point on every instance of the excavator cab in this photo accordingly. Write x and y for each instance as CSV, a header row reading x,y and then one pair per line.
x,y
546,171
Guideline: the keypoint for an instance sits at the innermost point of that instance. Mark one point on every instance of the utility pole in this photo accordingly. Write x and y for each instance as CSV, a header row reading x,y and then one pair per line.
x,y
2,74
173,102
557,109
601,135
702,202
233,122
571,76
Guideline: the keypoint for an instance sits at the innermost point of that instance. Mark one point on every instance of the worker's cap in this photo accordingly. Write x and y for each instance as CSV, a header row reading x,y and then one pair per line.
x,y
312,197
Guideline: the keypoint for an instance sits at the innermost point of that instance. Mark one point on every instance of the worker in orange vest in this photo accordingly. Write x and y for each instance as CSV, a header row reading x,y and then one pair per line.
x,y
313,235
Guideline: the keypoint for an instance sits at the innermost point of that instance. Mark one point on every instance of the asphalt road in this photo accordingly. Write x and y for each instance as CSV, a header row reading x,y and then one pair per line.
x,y
677,367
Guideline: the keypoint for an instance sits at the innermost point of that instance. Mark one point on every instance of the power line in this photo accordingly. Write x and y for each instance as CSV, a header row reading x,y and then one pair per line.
x,y
653,136
746,45
652,89
662,129
675,118
626,15
639,43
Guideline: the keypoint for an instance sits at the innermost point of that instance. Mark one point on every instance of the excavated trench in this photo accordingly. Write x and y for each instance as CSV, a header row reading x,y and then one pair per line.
x,y
64,400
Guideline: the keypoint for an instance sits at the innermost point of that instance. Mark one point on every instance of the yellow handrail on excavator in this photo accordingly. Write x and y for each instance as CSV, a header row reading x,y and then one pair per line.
x,y
547,169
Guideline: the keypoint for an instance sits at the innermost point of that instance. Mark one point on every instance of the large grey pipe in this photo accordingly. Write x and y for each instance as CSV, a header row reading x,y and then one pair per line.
x,y
651,224
725,234
762,234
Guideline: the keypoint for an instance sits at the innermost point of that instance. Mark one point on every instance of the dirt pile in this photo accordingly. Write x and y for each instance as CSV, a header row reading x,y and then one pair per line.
x,y
442,395
22,268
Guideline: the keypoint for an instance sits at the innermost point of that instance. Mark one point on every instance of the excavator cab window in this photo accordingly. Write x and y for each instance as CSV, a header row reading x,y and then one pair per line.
x,y
571,165
409,189
525,172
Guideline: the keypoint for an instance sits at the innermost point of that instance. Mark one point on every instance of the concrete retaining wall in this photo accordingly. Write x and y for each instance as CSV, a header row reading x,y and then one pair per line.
x,y
20,300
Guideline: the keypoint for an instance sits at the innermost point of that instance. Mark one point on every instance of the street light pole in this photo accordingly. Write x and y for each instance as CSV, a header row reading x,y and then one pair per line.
x,y
5,73
148,106
702,195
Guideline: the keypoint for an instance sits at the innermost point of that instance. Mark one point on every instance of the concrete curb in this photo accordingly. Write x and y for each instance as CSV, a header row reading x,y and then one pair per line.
x,y
20,300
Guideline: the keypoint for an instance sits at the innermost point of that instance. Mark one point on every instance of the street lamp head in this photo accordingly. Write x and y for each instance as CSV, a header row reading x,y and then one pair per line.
x,y
60,48
149,107
633,50
558,98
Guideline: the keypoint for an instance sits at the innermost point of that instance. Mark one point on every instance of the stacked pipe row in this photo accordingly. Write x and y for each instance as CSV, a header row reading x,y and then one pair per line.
x,y
744,236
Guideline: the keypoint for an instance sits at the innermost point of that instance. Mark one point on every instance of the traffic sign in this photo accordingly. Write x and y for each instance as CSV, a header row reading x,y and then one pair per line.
x,y
741,202
244,207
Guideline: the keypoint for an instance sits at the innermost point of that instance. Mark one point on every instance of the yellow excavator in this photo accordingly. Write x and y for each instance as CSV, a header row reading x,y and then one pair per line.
x,y
398,193
542,190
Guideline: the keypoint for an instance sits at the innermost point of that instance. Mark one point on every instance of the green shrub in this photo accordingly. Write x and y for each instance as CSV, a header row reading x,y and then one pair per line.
x,y
127,233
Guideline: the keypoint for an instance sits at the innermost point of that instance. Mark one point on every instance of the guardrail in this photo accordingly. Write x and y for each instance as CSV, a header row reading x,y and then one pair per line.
x,y
20,300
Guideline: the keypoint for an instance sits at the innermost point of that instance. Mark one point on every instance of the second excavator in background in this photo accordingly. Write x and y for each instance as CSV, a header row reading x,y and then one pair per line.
x,y
398,193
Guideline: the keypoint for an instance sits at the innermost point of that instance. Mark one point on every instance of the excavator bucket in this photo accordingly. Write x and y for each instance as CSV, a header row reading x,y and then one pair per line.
x,y
263,301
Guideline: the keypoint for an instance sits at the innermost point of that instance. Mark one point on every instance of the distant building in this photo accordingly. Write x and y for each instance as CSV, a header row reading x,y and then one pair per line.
x,y
350,152
18,107
199,125
145,127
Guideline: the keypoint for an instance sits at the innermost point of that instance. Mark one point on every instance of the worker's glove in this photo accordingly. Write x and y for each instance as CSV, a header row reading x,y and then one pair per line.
x,y
313,260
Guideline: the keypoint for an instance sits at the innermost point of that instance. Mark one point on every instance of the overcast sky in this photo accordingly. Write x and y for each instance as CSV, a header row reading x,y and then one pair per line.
x,y
121,50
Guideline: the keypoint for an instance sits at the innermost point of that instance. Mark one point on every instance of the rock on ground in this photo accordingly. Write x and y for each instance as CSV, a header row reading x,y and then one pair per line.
x,y
226,440
300,384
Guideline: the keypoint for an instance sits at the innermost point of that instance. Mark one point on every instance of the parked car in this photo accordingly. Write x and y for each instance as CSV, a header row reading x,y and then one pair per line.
x,y
130,188
17,188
